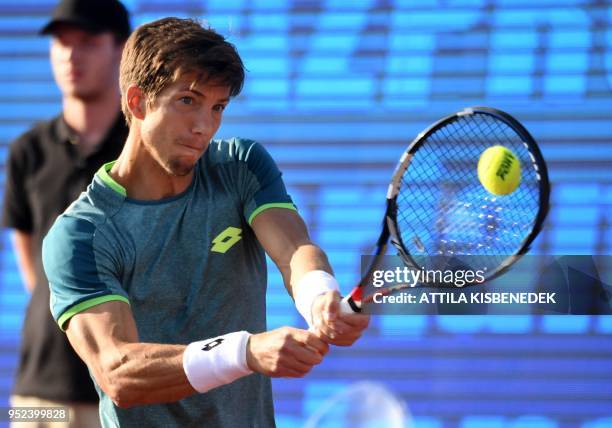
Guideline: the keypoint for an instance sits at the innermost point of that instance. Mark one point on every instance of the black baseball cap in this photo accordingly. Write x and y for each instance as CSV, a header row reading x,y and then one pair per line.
x,y
95,16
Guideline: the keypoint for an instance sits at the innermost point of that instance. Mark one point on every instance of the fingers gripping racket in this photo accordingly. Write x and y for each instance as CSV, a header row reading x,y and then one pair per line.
x,y
438,208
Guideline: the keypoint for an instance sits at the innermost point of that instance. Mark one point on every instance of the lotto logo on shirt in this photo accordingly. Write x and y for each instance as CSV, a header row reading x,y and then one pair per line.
x,y
226,239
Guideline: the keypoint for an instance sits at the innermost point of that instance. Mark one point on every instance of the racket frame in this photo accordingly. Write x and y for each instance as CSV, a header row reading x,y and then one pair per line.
x,y
389,225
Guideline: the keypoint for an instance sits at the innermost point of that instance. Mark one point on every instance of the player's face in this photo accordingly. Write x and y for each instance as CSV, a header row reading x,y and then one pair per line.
x,y
85,65
180,123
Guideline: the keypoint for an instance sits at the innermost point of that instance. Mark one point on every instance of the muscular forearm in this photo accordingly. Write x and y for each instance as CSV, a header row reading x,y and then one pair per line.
x,y
145,373
129,371
283,235
305,258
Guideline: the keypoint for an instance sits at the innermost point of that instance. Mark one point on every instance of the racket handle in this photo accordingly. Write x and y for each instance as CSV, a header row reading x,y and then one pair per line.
x,y
345,307
348,306
351,303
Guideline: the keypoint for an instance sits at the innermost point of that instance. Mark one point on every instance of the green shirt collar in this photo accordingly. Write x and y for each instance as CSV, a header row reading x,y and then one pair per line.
x,y
108,180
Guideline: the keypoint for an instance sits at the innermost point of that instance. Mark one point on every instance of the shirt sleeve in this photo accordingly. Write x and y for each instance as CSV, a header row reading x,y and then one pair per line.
x,y
17,213
262,185
81,269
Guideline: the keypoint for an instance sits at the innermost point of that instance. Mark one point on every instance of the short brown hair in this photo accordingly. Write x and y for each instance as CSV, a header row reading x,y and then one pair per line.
x,y
158,53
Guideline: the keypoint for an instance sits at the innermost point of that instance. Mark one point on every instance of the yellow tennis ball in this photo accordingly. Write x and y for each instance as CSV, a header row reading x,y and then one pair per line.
x,y
499,170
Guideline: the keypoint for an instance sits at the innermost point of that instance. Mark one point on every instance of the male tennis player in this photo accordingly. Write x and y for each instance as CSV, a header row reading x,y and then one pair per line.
x,y
158,271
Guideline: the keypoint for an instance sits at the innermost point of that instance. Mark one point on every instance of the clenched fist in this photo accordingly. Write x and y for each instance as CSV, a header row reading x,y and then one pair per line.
x,y
285,352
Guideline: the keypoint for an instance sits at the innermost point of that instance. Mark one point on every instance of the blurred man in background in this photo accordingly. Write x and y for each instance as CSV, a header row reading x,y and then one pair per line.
x,y
47,168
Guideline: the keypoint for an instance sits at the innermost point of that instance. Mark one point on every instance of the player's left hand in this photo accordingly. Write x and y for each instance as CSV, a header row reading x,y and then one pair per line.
x,y
334,326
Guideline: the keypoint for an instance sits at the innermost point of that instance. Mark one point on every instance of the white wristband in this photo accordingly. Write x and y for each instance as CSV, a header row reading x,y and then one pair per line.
x,y
309,287
218,361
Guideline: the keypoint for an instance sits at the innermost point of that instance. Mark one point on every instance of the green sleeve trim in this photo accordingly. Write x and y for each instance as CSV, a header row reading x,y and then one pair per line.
x,y
108,180
82,306
264,207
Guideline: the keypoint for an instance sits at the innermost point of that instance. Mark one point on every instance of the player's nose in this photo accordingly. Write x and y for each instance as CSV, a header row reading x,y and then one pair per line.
x,y
204,125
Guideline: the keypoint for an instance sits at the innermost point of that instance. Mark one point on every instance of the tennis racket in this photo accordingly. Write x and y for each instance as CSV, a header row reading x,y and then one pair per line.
x,y
437,209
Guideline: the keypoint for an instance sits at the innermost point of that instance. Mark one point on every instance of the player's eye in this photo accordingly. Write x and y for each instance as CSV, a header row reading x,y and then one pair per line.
x,y
219,107
186,100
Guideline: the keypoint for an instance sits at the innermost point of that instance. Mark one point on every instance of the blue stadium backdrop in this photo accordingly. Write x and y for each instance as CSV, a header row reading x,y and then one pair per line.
x,y
335,91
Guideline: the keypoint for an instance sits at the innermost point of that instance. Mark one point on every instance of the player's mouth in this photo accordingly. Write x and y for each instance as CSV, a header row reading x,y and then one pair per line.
x,y
194,148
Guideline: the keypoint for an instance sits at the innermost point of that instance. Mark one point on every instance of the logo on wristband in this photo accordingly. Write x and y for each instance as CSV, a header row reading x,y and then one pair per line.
x,y
213,344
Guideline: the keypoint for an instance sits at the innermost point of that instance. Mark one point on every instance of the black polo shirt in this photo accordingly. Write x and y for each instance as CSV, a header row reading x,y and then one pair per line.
x,y
45,172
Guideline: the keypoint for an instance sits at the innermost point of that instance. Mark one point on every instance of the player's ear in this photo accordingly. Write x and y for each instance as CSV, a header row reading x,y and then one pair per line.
x,y
136,102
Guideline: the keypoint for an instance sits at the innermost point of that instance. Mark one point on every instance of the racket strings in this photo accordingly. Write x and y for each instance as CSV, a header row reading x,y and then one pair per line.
x,y
443,209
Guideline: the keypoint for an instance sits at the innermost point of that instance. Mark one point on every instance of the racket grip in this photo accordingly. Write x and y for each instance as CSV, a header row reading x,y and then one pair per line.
x,y
346,307
351,303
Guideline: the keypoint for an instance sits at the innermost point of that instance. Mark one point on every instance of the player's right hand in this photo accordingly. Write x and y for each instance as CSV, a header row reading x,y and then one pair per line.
x,y
285,352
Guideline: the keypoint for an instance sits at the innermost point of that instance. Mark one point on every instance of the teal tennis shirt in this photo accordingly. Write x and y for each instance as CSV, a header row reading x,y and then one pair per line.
x,y
189,266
